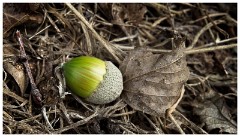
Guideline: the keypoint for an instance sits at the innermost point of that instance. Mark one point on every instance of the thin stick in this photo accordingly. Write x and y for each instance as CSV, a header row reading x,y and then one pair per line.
x,y
44,113
169,112
188,51
97,36
6,91
210,15
35,92
191,124
209,25
177,125
66,115
33,118
206,22
217,42
194,51
158,130
87,36
123,114
75,125
39,32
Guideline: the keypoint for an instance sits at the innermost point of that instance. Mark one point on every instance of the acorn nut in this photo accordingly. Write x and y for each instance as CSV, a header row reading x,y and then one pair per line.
x,y
96,81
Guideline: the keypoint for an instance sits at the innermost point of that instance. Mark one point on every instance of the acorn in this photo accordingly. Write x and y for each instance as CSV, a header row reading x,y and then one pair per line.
x,y
93,79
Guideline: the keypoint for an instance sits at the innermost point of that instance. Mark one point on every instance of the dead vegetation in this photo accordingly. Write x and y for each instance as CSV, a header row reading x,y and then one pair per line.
x,y
152,35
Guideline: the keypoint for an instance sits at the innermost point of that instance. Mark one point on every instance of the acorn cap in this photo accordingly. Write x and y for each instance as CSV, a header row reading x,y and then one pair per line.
x,y
110,88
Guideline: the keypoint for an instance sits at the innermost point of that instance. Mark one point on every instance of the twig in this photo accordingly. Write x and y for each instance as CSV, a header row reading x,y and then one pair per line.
x,y
126,130
210,15
39,32
34,92
62,83
209,25
217,42
87,36
75,125
177,125
8,128
95,34
161,7
171,19
123,114
206,22
82,103
172,109
194,51
124,38
218,28
188,51
44,113
66,115
158,130
191,124
34,118
6,91
162,43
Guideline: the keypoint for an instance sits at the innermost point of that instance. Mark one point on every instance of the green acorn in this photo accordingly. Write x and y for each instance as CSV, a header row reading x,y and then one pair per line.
x,y
97,81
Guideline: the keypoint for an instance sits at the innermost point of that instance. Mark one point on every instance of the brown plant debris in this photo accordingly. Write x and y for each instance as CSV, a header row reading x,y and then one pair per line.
x,y
177,59
152,80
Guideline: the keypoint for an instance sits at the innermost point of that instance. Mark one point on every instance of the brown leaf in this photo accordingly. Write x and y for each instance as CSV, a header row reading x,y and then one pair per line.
x,y
130,12
211,107
14,69
10,52
215,117
18,74
15,14
153,82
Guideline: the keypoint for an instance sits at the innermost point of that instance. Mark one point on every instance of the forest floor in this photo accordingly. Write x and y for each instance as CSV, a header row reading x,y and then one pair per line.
x,y
53,33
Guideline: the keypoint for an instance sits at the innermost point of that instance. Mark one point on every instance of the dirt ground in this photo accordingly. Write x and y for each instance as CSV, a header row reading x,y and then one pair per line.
x,y
185,54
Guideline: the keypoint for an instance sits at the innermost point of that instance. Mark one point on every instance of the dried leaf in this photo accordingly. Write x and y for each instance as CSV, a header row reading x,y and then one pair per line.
x,y
15,14
18,74
153,82
214,113
6,91
16,70
210,115
9,53
130,12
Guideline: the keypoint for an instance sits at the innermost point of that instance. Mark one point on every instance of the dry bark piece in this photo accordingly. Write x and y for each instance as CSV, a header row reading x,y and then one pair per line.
x,y
153,82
